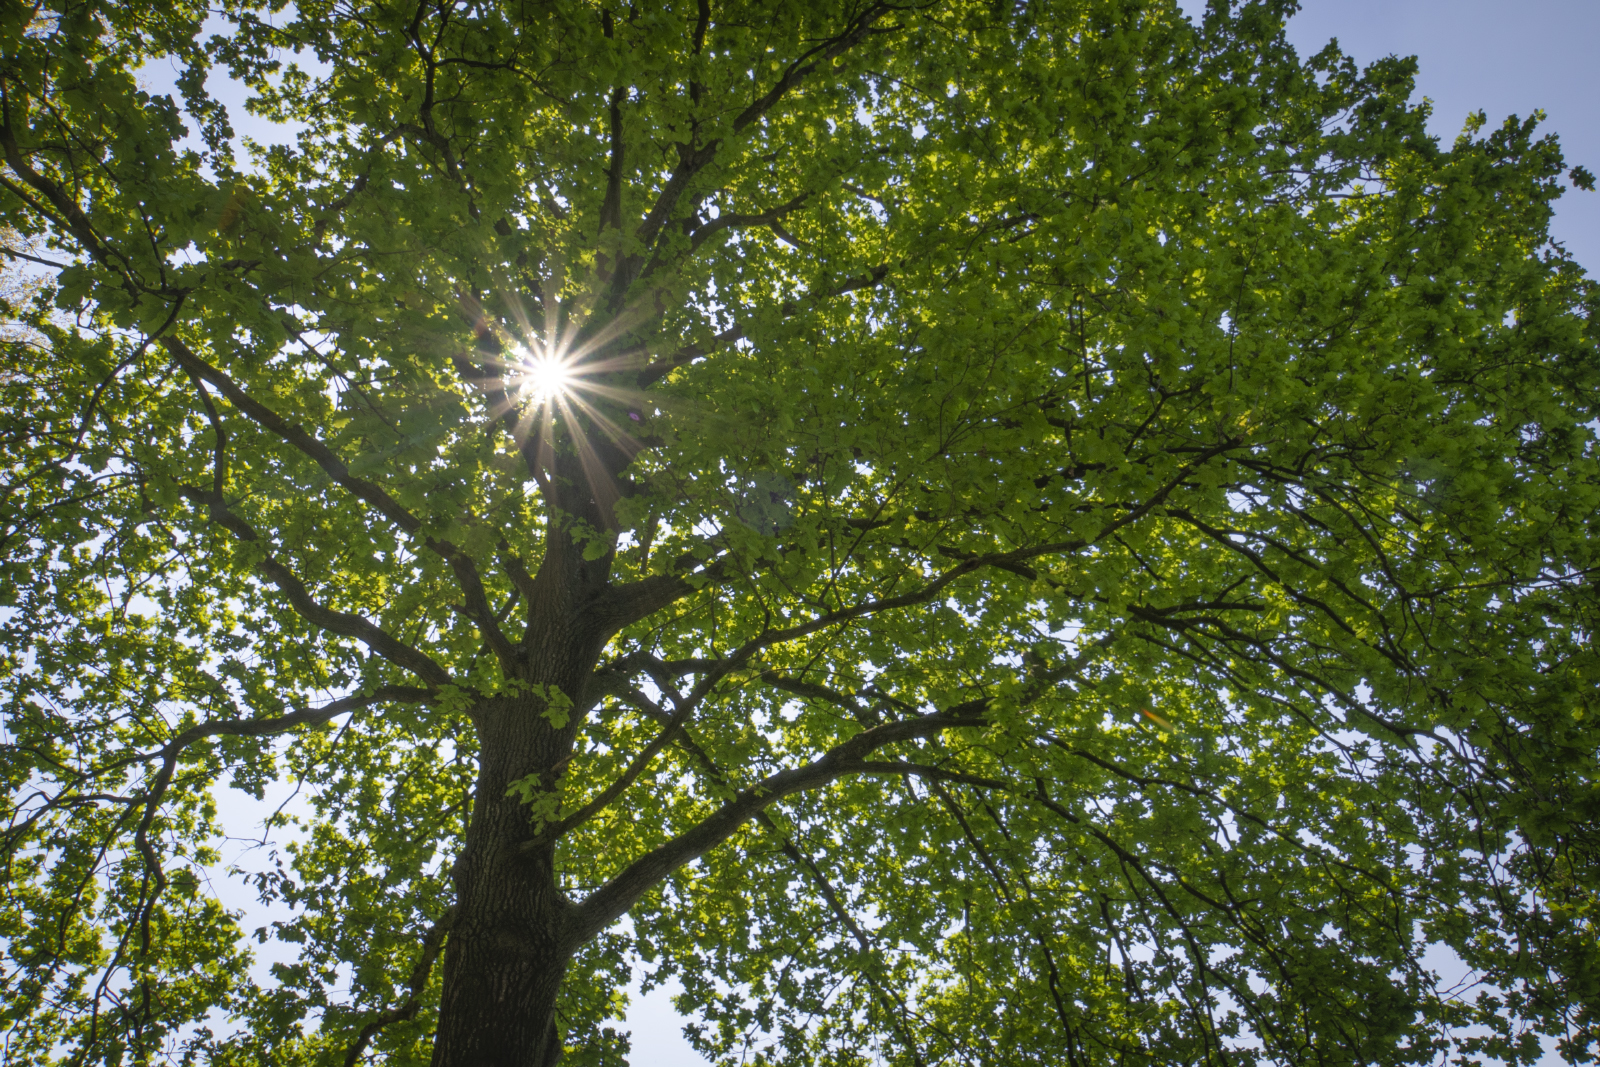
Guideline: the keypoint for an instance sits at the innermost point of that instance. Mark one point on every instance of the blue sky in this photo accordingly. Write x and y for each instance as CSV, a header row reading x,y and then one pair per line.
x,y
1507,57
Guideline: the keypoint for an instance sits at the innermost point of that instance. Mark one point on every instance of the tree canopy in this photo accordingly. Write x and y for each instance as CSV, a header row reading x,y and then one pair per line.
x,y
963,533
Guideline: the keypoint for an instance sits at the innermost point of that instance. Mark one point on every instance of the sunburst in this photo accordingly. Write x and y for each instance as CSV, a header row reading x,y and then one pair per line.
x,y
561,386
544,377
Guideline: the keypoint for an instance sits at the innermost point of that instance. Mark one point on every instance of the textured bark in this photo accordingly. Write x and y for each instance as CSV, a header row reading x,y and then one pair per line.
x,y
507,953
512,939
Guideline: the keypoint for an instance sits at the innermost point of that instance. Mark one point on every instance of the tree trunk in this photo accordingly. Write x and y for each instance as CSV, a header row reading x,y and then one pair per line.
x,y
509,947
506,955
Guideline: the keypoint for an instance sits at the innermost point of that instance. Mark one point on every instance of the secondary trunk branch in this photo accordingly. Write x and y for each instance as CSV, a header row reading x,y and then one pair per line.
x,y
69,214
664,590
892,1001
608,903
154,881
400,694
173,749
432,943
611,900
694,158
602,800
1001,560
465,570
623,605
796,72
317,614
683,707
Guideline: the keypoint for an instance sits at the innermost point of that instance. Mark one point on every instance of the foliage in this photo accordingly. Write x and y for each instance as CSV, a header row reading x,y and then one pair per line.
x,y
1089,521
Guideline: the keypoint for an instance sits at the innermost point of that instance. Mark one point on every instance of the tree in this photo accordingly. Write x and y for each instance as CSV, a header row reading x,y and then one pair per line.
x,y
990,533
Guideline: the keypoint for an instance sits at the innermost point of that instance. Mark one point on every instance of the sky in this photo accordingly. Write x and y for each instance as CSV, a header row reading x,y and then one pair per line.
x,y
1504,57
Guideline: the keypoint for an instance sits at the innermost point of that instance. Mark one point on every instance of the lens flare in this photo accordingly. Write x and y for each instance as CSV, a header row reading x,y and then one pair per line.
x,y
544,379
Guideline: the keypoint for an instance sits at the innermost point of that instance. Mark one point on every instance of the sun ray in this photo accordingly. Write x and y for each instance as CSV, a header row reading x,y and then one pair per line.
x,y
562,384
543,376
618,434
602,487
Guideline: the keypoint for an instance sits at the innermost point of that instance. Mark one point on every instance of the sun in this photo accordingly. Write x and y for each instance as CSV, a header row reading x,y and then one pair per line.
x,y
542,378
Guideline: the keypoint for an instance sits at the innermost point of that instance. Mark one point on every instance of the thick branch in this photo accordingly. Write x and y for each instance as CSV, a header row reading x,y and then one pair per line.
x,y
339,622
170,752
664,590
622,605
608,903
466,571
617,676
684,706
730,220
76,221
638,600
695,158
154,882
797,71
400,694
613,899
891,999
611,209
602,800
432,943
802,688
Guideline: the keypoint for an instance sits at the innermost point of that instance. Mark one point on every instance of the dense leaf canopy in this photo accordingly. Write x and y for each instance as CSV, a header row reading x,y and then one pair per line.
x,y
991,534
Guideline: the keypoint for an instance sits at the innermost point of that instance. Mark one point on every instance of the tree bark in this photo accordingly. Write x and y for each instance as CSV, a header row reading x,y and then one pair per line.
x,y
512,938
508,951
